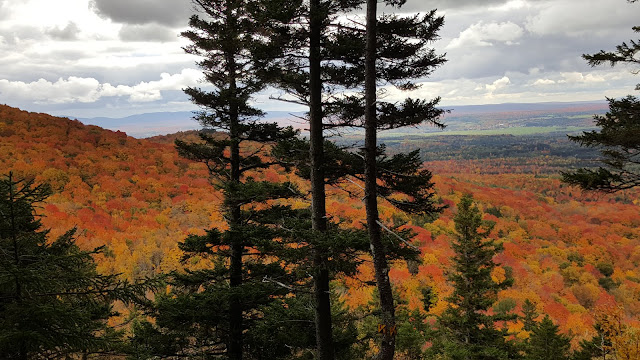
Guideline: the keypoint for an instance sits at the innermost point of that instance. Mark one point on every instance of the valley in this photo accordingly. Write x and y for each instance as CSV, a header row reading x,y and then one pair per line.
x,y
139,199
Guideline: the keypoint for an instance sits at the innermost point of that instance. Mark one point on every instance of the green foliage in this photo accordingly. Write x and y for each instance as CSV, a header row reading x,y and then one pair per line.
x,y
607,283
619,146
465,330
53,303
617,138
529,315
606,269
504,306
493,211
545,343
208,312
576,258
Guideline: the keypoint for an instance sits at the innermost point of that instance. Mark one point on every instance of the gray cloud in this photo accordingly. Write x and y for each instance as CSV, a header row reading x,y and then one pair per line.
x,y
4,10
140,12
148,32
17,35
421,5
498,51
69,32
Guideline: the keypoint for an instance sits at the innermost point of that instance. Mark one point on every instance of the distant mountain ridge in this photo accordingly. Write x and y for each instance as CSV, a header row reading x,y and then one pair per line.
x,y
163,123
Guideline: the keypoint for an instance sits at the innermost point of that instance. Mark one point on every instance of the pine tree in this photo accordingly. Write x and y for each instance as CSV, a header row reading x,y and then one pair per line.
x,y
617,138
327,58
53,303
529,315
466,331
546,343
416,62
303,73
209,311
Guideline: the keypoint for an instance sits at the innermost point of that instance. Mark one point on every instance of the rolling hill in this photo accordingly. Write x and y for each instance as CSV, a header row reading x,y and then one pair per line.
x,y
139,198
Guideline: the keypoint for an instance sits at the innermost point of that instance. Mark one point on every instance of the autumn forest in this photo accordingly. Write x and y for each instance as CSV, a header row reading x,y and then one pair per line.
x,y
250,240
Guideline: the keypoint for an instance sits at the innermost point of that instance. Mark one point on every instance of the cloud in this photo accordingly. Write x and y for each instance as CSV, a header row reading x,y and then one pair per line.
x,y
498,84
18,34
481,34
5,12
421,5
148,32
577,77
482,5
544,82
74,89
576,18
69,32
140,12
87,90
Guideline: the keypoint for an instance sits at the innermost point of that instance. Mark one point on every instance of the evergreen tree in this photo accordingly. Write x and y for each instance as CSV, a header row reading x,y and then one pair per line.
x,y
393,55
617,138
53,303
209,311
529,315
403,55
545,343
304,74
324,60
465,330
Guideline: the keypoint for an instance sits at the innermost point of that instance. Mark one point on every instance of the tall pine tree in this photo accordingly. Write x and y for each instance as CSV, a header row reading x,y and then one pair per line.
x,y
466,330
304,77
210,310
416,62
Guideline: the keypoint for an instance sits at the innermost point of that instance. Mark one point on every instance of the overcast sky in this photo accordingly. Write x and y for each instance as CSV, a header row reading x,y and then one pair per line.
x,y
89,58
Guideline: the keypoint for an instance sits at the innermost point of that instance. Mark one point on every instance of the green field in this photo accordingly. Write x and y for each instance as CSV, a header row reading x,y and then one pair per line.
x,y
516,131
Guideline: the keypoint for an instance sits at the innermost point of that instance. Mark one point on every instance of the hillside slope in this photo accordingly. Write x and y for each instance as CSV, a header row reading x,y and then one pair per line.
x,y
571,253
137,197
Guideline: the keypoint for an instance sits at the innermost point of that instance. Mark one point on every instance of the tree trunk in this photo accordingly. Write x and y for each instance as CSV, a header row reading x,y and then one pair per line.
x,y
16,257
324,338
236,239
387,346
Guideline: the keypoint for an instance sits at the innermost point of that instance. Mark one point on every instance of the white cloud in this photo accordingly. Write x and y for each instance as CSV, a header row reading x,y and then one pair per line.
x,y
481,34
544,82
87,90
577,77
73,89
510,6
498,84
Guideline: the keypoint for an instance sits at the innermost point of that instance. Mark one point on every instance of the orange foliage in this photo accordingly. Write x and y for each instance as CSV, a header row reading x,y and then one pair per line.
x,y
140,198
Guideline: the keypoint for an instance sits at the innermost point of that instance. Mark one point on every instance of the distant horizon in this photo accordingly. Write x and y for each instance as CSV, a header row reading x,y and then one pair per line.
x,y
108,58
603,101
166,122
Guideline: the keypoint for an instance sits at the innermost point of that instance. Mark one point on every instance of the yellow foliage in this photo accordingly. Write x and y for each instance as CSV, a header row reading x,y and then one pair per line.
x,y
430,259
498,275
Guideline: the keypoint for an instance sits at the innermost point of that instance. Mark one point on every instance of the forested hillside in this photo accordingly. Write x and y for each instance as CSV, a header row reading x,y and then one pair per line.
x,y
137,197
575,255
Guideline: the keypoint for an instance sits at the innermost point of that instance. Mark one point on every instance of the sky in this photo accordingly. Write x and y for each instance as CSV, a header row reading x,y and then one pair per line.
x,y
114,58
